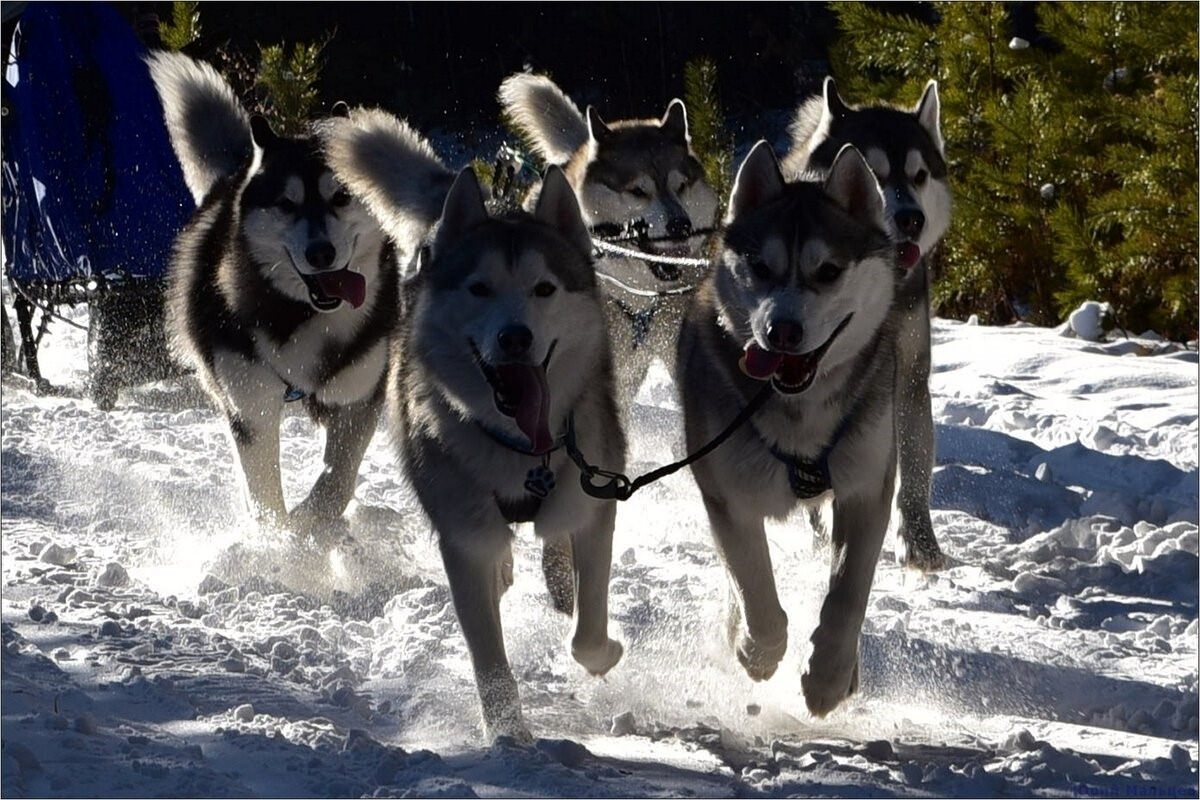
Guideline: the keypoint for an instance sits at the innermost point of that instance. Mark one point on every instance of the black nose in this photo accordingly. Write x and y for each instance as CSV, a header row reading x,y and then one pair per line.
x,y
679,227
785,336
320,255
910,221
515,340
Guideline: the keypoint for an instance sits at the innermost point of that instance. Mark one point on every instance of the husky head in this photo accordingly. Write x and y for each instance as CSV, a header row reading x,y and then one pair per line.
x,y
645,170
507,318
807,271
904,149
301,226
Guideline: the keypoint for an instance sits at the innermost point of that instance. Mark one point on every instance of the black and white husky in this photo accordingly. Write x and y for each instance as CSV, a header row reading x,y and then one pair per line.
x,y
282,288
905,150
624,172
800,305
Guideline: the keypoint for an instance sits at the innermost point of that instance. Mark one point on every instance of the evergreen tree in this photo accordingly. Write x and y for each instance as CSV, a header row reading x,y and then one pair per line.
x,y
1073,161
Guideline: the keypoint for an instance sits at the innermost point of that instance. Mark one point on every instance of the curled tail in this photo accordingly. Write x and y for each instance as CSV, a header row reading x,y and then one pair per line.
x,y
544,115
392,168
209,129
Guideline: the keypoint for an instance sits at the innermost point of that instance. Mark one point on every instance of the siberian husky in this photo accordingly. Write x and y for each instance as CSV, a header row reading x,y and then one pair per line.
x,y
503,347
281,288
905,150
801,297
624,172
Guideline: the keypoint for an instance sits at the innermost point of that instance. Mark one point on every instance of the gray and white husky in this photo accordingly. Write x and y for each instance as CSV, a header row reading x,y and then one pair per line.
x,y
622,172
905,150
281,288
802,298
503,346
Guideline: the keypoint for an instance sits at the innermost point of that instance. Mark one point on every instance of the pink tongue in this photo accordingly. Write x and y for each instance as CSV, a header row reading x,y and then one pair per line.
x,y
344,284
533,402
908,254
759,364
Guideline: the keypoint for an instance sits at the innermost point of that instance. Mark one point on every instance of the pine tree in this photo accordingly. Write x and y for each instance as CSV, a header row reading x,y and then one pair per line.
x,y
1072,160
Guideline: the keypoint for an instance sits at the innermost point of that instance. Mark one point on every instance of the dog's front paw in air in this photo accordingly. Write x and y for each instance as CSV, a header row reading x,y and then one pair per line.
x,y
832,673
598,659
760,656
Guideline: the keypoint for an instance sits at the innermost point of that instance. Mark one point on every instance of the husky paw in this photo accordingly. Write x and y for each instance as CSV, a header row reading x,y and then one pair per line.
x,y
920,549
760,656
832,675
510,732
598,660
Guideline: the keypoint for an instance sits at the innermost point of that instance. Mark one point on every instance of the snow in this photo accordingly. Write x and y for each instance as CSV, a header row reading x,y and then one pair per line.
x,y
155,643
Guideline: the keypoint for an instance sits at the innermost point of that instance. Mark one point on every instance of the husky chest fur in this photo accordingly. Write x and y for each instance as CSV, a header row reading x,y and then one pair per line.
x,y
281,287
503,346
803,299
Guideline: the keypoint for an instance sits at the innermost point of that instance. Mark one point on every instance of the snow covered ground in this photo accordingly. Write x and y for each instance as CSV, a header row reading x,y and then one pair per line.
x,y
155,644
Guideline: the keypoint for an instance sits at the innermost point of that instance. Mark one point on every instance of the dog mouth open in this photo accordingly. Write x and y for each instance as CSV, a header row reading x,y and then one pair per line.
x,y
328,290
908,254
790,373
520,391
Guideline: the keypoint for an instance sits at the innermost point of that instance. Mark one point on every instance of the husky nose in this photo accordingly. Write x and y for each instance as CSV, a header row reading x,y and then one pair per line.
x,y
785,336
320,255
910,221
515,340
679,227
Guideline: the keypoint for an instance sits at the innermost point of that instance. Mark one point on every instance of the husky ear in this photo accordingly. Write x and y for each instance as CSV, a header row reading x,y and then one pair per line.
x,y
261,132
835,106
597,130
758,181
463,208
558,207
852,185
929,114
340,109
674,122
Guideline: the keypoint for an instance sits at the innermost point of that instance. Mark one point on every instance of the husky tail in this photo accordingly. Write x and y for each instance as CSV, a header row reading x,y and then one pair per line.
x,y
209,129
391,167
544,115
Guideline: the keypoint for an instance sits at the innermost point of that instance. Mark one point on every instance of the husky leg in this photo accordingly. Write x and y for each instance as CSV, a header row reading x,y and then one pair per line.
x,y
591,550
253,403
347,435
557,570
743,545
475,576
859,525
914,429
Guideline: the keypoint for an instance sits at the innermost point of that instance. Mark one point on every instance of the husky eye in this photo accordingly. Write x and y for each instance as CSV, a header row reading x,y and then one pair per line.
x,y
920,178
340,199
544,289
638,192
479,289
828,272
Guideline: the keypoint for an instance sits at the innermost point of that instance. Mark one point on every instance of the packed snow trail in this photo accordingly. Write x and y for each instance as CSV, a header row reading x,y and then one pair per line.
x,y
157,643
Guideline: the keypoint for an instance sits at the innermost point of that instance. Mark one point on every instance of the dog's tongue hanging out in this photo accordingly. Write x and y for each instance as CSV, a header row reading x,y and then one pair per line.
x,y
908,254
526,390
344,285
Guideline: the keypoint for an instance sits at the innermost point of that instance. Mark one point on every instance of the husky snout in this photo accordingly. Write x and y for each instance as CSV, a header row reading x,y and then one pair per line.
x,y
785,335
515,341
320,255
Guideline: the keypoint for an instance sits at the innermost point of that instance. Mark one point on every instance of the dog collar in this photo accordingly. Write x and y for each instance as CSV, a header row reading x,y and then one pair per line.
x,y
539,480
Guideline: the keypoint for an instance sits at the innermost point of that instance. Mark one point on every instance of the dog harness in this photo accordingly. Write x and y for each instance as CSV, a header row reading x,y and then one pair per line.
x,y
807,478
539,480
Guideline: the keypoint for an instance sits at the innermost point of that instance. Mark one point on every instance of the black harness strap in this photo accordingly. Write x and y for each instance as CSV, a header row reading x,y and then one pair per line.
x,y
621,487
807,478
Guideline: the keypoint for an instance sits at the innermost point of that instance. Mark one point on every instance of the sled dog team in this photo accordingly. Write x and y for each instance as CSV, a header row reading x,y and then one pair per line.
x,y
350,270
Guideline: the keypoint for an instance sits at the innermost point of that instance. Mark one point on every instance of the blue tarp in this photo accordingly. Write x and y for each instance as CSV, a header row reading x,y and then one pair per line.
x,y
91,186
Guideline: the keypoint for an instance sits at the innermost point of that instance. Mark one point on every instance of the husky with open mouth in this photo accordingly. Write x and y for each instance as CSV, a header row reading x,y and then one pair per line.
x,y
905,150
282,288
800,299
504,347
627,171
